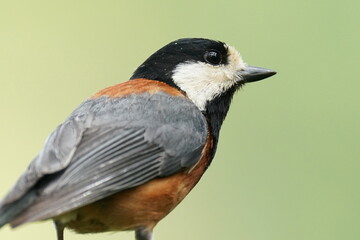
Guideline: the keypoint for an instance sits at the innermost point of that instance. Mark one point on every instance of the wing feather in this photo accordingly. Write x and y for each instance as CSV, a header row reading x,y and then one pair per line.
x,y
101,150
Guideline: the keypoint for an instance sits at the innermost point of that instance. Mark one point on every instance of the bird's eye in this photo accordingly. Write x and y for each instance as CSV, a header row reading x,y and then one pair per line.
x,y
213,57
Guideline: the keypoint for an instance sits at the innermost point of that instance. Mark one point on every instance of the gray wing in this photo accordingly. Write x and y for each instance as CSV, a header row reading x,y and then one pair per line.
x,y
107,145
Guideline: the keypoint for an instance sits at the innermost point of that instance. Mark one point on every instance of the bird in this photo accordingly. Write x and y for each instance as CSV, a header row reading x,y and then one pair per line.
x,y
130,153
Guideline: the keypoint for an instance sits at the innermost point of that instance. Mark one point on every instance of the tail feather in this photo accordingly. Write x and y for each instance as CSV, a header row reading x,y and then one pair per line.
x,y
9,212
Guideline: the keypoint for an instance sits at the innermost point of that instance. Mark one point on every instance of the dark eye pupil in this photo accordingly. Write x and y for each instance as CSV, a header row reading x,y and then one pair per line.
x,y
213,57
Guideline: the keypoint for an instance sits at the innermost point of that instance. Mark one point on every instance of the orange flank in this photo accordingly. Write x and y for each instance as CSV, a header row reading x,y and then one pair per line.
x,y
142,206
137,86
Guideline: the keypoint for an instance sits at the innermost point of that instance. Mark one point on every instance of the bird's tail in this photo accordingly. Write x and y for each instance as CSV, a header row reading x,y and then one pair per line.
x,y
10,211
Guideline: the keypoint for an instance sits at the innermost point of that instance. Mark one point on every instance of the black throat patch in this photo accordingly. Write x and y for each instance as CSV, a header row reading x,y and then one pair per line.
x,y
215,113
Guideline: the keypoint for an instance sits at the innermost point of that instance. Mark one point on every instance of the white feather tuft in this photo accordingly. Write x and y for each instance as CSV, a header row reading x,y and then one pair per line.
x,y
202,82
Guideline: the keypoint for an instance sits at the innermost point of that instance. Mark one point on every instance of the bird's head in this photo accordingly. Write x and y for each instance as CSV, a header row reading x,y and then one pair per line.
x,y
207,71
204,69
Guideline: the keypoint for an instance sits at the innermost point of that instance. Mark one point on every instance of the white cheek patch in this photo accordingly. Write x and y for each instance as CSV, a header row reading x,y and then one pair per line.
x,y
203,82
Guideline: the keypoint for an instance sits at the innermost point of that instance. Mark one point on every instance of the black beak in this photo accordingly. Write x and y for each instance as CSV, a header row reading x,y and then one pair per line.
x,y
253,74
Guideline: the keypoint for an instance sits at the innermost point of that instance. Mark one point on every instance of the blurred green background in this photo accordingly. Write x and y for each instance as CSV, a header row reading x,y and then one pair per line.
x,y
287,165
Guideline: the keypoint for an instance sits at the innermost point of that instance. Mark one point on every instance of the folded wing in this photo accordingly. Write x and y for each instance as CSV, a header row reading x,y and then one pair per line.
x,y
107,145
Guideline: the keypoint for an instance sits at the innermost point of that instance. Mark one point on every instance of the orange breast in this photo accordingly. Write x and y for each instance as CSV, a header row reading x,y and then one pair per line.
x,y
142,206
